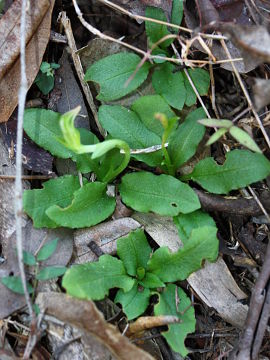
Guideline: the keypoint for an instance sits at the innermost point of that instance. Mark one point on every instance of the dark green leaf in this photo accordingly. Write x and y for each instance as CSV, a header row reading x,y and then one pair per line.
x,y
177,14
163,194
184,141
151,281
112,73
170,267
134,302
51,272
47,250
55,192
93,280
45,83
155,31
14,283
90,206
201,80
185,223
125,125
176,334
170,85
42,126
147,106
134,251
241,168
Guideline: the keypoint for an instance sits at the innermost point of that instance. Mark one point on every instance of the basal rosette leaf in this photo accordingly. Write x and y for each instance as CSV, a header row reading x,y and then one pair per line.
x,y
93,280
176,333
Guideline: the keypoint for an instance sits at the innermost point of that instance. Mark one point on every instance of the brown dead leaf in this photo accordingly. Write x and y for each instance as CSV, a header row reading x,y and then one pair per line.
x,y
261,93
213,283
137,7
35,48
85,316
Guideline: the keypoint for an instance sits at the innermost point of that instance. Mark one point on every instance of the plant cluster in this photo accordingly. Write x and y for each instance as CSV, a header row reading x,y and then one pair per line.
x,y
151,121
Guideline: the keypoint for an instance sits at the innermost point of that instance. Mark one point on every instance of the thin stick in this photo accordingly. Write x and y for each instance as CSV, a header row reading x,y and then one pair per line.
x,y
238,76
18,181
78,66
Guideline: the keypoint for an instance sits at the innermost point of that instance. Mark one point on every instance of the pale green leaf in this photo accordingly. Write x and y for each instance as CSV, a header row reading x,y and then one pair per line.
x,y
185,223
43,127
90,206
184,141
218,123
170,267
147,106
216,136
112,73
28,258
244,138
55,192
134,251
93,280
170,85
155,31
51,272
176,333
47,250
163,194
134,302
241,168
14,283
125,125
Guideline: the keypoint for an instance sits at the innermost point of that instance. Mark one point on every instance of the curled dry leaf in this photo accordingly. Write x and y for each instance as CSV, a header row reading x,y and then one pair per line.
x,y
213,283
85,316
38,33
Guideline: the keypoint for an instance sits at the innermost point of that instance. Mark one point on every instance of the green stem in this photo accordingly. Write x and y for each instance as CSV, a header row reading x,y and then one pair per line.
x,y
112,174
169,165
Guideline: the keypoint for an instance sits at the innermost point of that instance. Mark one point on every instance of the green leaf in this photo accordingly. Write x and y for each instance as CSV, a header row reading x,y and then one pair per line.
x,y
124,124
184,141
14,283
201,80
240,169
170,85
216,136
47,250
134,251
218,123
43,127
29,258
147,106
155,31
244,138
51,272
151,281
176,334
112,73
170,267
163,194
45,83
55,192
90,206
134,302
177,14
93,280
185,223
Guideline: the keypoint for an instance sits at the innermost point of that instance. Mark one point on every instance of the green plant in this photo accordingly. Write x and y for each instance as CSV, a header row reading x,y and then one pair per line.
x,y
14,283
45,77
139,274
152,120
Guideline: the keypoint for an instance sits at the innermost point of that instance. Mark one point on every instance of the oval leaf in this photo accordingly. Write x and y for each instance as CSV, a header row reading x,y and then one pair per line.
x,y
244,138
47,250
161,194
51,272
93,280
112,73
241,168
14,283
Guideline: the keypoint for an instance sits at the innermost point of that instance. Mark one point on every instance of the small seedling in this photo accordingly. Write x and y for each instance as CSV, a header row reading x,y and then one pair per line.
x,y
45,77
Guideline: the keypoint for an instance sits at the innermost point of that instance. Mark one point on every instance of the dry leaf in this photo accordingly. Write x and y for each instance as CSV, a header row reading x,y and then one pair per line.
x,y
10,82
213,283
261,93
85,316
